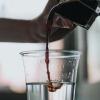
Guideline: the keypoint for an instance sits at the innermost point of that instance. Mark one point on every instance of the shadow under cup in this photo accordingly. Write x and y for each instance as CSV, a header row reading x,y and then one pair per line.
x,y
55,82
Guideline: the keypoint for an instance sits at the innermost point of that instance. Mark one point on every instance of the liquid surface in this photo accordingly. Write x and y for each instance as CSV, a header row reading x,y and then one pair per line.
x,y
39,91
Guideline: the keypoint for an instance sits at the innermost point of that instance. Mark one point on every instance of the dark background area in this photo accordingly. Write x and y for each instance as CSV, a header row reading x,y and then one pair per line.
x,y
12,96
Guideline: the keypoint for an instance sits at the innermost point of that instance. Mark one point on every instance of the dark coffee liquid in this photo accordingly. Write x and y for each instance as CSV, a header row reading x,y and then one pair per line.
x,y
51,87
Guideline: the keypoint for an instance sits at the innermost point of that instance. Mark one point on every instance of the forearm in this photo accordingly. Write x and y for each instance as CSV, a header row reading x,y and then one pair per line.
x,y
18,31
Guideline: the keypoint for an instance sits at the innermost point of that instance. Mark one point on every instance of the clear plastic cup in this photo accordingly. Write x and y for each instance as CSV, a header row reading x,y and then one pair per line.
x,y
58,81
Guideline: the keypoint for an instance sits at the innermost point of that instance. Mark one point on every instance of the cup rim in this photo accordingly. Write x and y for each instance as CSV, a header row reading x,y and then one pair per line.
x,y
68,53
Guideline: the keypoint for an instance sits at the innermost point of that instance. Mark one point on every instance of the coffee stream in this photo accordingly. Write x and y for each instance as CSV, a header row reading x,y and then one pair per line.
x,y
52,87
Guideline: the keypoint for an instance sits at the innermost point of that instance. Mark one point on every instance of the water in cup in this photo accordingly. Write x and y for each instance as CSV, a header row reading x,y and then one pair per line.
x,y
40,91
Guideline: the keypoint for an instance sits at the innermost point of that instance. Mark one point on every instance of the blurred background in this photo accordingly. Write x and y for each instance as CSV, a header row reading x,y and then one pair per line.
x,y
12,79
